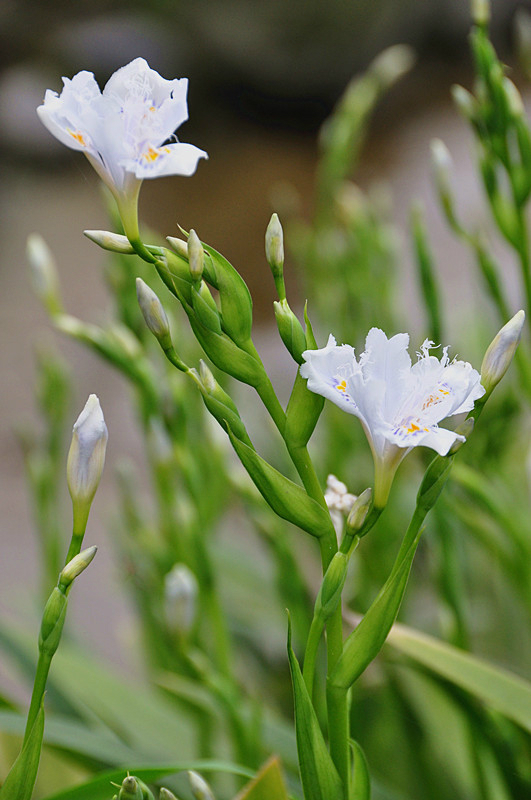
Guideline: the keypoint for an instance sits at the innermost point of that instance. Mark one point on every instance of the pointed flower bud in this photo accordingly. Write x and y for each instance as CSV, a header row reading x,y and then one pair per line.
x,y
180,246
44,274
465,102
86,458
196,256
130,789
332,585
114,242
153,313
220,404
76,566
501,352
53,620
165,794
290,330
200,788
180,598
274,245
358,512
480,12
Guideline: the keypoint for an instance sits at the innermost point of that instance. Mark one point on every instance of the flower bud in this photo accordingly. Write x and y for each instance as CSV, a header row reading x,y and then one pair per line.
x,y
180,246
392,63
442,161
44,274
480,12
220,404
501,352
86,458
196,256
122,339
274,245
76,566
114,242
180,598
165,794
332,585
153,313
465,102
53,620
205,308
200,788
358,513
290,330
513,99
131,789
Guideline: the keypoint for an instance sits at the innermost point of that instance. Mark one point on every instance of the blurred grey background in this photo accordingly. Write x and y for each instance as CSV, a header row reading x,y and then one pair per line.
x,y
263,76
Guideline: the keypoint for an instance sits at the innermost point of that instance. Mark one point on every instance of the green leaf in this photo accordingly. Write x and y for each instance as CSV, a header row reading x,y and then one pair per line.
x,y
499,688
286,499
22,776
319,777
360,781
100,788
268,784
366,641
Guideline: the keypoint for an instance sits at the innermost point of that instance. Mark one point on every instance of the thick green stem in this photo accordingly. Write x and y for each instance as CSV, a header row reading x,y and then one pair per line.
x,y
336,705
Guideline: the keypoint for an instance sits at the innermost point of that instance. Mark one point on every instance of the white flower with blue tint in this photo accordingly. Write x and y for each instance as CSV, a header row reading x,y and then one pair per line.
x,y
398,403
126,131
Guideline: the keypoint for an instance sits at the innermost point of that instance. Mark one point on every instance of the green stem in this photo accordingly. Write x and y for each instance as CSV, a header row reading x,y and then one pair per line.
x,y
39,687
336,705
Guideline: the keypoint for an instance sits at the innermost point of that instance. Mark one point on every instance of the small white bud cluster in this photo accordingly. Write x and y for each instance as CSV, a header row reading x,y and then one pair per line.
x,y
339,502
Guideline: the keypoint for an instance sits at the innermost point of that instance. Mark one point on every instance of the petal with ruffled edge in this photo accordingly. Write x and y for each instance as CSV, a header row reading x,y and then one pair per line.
x,y
170,159
73,116
328,371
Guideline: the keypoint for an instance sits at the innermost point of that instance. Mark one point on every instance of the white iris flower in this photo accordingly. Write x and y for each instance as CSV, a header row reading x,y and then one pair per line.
x,y
126,131
398,403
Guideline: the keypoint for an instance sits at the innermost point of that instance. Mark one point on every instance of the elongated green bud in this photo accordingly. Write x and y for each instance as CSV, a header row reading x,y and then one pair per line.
x,y
130,789
114,242
220,404
44,274
153,313
200,788
332,586
76,566
196,256
205,308
86,458
358,512
53,620
290,330
303,411
501,352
